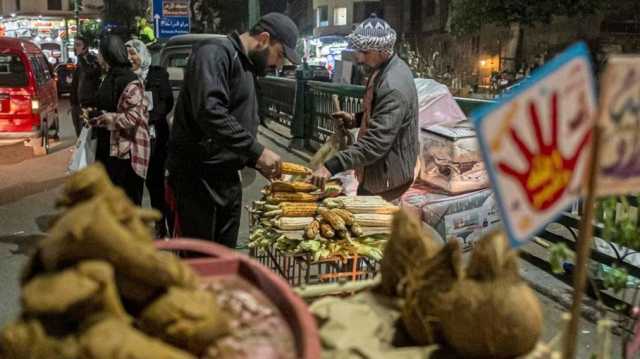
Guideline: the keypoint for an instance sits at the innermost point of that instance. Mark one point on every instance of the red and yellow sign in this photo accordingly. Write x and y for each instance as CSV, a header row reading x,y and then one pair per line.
x,y
535,142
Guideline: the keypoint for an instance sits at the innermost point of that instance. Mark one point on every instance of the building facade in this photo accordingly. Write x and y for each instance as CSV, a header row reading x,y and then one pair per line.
x,y
471,61
338,17
48,23
301,12
48,8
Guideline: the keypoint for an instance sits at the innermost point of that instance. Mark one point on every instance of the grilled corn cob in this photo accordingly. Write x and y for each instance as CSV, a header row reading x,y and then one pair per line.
x,y
373,220
344,235
296,186
298,209
361,204
326,230
293,223
356,229
361,199
312,230
346,216
364,208
332,203
333,219
289,168
279,197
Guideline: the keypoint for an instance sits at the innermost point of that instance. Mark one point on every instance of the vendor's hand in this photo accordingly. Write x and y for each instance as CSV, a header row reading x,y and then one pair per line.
x,y
345,119
269,164
105,120
320,177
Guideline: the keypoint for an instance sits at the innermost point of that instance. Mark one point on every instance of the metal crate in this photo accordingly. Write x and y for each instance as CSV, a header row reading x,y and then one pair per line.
x,y
301,269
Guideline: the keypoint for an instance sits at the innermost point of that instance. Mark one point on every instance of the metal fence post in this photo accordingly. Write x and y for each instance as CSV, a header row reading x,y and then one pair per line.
x,y
300,115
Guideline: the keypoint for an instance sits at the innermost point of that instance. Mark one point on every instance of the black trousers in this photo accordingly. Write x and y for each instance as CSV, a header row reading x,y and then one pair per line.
x,y
209,205
75,117
155,182
123,176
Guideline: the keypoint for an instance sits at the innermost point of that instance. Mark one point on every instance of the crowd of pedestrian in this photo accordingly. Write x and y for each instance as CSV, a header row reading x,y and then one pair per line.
x,y
216,116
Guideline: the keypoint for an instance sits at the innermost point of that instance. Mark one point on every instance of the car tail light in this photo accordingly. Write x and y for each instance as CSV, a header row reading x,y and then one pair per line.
x,y
35,105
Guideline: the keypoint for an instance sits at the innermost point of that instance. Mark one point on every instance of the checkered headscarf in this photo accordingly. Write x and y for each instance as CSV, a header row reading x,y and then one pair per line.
x,y
373,34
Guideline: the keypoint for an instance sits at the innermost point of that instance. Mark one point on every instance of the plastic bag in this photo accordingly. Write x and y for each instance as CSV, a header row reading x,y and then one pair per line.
x,y
85,151
437,105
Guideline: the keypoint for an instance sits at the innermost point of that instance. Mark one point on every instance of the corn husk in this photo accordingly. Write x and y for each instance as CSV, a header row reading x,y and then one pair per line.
x,y
338,141
94,182
188,319
408,248
72,293
28,339
427,284
113,339
492,313
74,238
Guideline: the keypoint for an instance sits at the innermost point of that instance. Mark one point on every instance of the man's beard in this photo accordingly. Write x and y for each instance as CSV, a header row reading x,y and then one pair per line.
x,y
260,59
366,69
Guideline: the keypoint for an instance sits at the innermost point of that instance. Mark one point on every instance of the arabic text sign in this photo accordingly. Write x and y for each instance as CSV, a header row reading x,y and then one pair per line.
x,y
535,143
171,17
620,120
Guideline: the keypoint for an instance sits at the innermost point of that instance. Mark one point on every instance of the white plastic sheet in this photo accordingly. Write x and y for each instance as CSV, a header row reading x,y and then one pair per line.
x,y
436,104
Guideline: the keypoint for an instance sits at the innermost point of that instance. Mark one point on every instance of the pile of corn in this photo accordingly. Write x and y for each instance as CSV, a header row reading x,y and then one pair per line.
x,y
297,218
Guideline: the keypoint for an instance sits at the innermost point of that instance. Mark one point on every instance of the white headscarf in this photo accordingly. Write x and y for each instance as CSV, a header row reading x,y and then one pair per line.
x,y
145,57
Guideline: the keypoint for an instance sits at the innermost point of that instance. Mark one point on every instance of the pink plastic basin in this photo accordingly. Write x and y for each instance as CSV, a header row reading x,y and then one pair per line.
x,y
218,260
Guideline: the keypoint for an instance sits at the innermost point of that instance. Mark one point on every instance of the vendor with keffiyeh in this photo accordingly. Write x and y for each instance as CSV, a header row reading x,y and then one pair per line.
x,y
385,154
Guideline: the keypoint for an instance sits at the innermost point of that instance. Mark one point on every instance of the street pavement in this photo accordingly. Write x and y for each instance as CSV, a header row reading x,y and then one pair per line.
x,y
30,185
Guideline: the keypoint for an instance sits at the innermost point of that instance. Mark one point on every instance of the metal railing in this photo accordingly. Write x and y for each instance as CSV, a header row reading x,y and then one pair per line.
x,y
322,106
277,102
300,109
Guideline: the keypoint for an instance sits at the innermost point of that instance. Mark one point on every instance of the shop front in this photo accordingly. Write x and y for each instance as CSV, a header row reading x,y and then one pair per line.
x,y
54,35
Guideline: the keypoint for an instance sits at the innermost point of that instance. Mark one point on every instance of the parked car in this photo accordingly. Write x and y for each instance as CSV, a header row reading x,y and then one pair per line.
x,y
64,74
175,56
28,94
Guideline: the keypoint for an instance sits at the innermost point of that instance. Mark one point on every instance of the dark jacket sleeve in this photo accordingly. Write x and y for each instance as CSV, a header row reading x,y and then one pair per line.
x,y
210,72
384,125
158,83
75,79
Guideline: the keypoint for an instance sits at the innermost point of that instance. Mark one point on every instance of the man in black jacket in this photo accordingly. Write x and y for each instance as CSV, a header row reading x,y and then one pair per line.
x,y
215,126
85,83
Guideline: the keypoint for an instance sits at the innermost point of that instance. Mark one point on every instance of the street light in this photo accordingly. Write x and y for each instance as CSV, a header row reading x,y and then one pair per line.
x,y
483,63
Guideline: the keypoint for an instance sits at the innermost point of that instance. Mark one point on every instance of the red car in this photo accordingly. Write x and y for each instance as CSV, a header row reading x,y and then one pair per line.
x,y
28,94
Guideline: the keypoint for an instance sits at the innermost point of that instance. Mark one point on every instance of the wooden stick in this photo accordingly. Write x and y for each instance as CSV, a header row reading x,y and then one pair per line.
x,y
319,290
336,102
583,251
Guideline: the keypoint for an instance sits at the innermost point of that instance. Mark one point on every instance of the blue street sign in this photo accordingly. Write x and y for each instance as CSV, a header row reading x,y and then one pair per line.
x,y
171,17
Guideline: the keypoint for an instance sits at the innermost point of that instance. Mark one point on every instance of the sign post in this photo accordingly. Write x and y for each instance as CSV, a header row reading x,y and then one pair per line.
x,y
618,168
171,17
541,146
